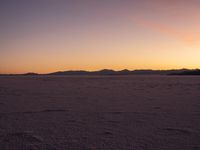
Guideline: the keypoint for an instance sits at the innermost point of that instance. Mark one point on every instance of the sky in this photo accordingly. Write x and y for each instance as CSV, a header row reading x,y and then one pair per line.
x,y
54,35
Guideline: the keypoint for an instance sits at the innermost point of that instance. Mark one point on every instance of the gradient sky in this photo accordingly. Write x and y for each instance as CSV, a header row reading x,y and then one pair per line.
x,y
50,35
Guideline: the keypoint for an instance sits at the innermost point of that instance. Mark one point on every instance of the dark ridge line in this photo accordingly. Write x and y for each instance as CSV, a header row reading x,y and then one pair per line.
x,y
113,72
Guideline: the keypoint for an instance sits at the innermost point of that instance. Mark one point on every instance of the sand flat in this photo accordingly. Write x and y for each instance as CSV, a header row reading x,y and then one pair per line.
x,y
100,112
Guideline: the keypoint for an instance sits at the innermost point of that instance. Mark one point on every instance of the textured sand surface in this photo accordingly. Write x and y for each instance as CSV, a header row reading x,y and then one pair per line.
x,y
100,113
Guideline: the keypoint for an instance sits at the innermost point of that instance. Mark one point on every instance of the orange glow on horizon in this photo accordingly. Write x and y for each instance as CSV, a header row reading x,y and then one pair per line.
x,y
69,35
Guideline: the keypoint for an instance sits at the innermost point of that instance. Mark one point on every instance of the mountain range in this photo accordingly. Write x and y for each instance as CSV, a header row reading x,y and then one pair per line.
x,y
121,72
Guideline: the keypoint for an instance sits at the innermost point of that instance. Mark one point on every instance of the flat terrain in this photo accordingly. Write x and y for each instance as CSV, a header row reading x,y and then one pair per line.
x,y
100,113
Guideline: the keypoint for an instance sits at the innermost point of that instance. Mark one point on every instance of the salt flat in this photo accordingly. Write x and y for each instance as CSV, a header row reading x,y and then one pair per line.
x,y
100,113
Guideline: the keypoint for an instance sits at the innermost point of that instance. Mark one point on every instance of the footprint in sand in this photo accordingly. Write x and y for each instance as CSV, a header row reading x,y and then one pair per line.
x,y
1,103
23,140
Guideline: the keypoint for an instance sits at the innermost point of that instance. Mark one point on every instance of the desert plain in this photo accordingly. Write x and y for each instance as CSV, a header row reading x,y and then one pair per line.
x,y
152,112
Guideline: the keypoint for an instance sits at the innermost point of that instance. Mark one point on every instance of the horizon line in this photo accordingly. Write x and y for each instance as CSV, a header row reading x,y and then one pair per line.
x,y
90,71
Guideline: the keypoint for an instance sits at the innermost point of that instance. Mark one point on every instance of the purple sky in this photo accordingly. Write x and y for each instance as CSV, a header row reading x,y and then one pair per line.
x,y
50,35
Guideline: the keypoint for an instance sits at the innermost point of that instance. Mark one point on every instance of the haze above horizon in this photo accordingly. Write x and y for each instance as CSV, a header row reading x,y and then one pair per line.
x,y
48,35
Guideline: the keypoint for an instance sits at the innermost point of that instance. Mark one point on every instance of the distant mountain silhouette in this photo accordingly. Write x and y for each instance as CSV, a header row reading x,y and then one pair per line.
x,y
104,72
82,72
79,72
30,74
121,72
188,72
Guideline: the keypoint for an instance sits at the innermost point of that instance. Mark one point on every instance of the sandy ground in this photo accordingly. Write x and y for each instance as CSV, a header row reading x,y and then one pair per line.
x,y
100,113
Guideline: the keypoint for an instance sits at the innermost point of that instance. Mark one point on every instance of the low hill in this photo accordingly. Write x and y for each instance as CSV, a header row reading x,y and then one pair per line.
x,y
113,72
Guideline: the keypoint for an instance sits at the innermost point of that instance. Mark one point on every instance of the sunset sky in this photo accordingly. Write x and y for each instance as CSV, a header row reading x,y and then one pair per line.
x,y
51,35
